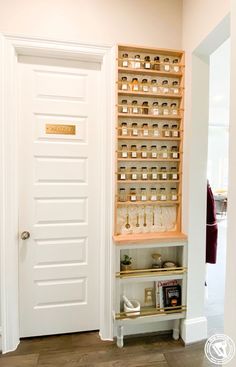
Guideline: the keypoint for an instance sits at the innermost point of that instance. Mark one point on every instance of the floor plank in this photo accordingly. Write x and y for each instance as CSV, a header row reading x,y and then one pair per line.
x,y
29,360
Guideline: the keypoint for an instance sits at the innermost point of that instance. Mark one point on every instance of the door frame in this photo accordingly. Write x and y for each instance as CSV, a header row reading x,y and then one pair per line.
x,y
11,47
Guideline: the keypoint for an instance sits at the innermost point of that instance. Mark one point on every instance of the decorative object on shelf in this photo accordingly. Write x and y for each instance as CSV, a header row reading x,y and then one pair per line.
x,y
157,261
169,264
171,295
149,297
132,308
126,263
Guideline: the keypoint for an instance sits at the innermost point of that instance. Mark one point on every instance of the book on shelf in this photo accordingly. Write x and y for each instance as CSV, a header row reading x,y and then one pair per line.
x,y
159,291
171,295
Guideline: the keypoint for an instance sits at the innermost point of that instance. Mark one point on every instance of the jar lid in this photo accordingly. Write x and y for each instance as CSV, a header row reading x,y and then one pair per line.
x,y
166,125
165,82
153,81
133,167
134,102
153,188
166,59
124,78
173,104
153,167
144,167
134,79
164,104
145,103
156,58
163,167
125,55
175,61
137,56
144,81
162,188
173,167
175,82
154,125
174,126
164,146
133,188
153,146
143,146
124,101
124,145
124,123
122,189
143,188
173,188
174,147
155,104
145,124
147,58
134,124
133,146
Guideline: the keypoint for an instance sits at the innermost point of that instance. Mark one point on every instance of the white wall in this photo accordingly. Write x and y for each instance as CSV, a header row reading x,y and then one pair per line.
x,y
151,22
200,17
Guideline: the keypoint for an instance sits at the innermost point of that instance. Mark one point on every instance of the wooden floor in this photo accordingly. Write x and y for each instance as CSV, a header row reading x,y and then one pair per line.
x,y
87,350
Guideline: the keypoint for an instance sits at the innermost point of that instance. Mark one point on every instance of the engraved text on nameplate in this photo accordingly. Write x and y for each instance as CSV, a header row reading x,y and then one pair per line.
x,y
60,129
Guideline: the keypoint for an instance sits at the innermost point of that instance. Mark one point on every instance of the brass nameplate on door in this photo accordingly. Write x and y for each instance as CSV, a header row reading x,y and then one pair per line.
x,y
60,129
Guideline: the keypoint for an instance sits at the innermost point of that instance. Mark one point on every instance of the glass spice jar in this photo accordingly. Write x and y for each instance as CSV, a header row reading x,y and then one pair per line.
x,y
155,130
122,195
143,195
133,151
154,173
124,83
164,173
166,64
147,62
133,194
156,64
124,107
135,108
144,174
165,87
122,173
154,86
174,131
174,152
174,110
145,129
134,175
124,151
166,131
165,109
144,85
153,194
174,173
153,151
137,62
164,152
143,151
163,194
125,60
135,85
155,109
175,87
157,261
145,108
134,129
173,193
175,65
124,129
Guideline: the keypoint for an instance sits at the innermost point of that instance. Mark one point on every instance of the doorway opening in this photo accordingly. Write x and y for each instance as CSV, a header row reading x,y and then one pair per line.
x,y
217,174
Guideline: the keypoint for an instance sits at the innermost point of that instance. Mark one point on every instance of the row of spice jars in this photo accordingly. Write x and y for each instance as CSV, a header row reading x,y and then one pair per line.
x,y
145,130
152,86
145,152
144,194
156,63
148,173
155,109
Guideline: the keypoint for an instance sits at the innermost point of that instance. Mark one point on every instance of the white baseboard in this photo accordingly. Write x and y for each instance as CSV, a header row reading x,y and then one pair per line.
x,y
194,330
147,328
0,339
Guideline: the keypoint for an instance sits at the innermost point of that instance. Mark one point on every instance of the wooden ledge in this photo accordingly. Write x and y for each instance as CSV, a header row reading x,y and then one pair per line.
x,y
155,237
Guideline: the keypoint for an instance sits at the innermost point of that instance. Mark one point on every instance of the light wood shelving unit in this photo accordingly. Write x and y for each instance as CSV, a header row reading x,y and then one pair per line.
x,y
149,223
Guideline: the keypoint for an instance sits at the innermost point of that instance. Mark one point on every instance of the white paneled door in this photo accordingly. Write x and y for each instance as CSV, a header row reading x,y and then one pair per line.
x,y
59,169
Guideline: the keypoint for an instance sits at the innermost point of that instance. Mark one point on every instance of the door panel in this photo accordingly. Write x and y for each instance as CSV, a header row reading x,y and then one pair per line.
x,y
59,197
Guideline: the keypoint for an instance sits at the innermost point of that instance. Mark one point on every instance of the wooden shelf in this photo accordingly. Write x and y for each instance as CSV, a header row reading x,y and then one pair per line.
x,y
150,50
156,138
149,203
147,181
150,312
152,117
148,94
153,73
155,237
143,273
148,159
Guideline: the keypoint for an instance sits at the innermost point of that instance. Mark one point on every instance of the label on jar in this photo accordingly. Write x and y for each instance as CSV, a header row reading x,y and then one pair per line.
x,y
134,176
154,89
135,131
175,154
164,176
154,154
124,109
153,198
144,154
144,176
174,176
156,133
165,90
163,197
167,133
125,64
143,197
133,197
137,65
176,90
175,133
164,155
145,88
145,132
124,87
134,154
154,176
135,109
123,176
147,65
165,111
135,87
174,112
176,68
156,111
124,154
174,197
124,131
167,67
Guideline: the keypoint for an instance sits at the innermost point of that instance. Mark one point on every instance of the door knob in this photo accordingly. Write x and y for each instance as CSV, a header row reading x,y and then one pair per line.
x,y
25,235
